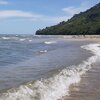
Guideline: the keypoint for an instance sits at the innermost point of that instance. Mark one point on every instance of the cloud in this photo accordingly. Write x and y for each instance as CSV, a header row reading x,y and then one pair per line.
x,y
75,10
17,13
3,2
69,12
53,19
29,15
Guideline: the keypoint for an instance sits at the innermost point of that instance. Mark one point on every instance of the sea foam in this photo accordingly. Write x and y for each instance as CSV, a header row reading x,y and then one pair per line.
x,y
55,87
49,42
5,38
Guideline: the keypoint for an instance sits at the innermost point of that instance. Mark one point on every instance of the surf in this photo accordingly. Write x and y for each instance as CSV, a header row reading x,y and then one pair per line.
x,y
57,86
50,42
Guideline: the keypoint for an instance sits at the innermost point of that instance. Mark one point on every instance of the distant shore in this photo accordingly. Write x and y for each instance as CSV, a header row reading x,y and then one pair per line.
x,y
83,37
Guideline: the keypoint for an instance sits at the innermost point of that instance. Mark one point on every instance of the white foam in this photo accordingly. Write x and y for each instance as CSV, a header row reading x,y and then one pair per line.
x,y
30,40
49,42
5,38
43,51
56,86
22,39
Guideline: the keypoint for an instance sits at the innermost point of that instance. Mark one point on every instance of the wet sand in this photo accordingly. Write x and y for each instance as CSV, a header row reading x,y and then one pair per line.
x,y
89,86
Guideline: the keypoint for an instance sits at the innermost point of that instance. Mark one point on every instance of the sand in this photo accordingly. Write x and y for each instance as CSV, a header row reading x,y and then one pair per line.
x,y
89,86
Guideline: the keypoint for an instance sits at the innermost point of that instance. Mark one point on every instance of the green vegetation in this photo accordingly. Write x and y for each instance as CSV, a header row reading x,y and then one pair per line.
x,y
84,23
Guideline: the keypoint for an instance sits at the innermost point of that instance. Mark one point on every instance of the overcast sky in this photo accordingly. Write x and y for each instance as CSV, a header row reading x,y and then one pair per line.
x,y
26,16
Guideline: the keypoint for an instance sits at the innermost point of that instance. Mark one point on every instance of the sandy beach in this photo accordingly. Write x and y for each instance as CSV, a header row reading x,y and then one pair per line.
x,y
89,86
65,66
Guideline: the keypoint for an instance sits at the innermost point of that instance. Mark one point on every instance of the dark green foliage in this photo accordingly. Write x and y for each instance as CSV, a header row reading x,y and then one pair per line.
x,y
84,23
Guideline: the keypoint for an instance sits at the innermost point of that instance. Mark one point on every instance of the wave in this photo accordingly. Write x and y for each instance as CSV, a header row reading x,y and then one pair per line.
x,y
11,38
30,40
16,37
5,38
49,42
55,87
43,51
22,39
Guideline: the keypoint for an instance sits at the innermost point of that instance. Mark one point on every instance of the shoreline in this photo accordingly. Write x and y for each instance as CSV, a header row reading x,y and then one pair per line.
x,y
89,86
60,79
83,37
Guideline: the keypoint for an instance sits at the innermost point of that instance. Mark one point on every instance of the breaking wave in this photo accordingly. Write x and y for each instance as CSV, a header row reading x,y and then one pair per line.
x,y
17,38
43,51
5,38
49,42
55,87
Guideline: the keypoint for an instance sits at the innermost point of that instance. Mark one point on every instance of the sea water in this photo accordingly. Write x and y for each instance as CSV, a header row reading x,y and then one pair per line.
x,y
42,67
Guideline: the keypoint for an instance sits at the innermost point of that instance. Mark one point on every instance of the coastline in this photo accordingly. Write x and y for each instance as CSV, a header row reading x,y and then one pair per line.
x,y
61,81
89,86
82,37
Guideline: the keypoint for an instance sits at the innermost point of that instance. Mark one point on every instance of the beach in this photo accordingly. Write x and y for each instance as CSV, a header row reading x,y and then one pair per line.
x,y
50,68
49,50
89,86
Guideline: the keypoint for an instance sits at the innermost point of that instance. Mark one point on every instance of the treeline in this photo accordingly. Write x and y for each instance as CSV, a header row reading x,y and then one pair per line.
x,y
84,23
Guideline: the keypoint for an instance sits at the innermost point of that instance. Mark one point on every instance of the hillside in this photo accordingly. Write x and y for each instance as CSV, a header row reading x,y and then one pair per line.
x,y
84,23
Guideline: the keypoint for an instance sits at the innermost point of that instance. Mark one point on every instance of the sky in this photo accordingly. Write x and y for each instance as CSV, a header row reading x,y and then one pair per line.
x,y
27,16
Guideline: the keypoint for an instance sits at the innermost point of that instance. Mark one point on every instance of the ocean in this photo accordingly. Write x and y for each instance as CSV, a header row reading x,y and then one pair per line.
x,y
42,67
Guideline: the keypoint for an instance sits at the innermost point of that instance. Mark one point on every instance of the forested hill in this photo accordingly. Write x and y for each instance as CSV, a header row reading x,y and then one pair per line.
x,y
84,23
